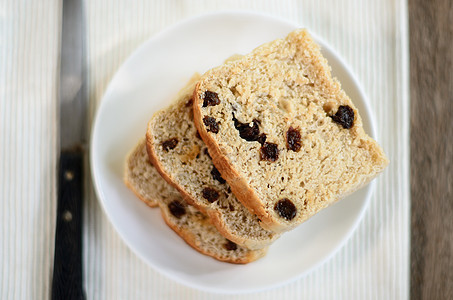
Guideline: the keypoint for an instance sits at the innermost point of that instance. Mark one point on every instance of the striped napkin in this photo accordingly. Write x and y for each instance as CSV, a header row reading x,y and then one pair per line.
x,y
372,37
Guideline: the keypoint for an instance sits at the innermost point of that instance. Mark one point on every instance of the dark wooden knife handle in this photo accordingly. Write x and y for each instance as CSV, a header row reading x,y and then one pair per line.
x,y
67,272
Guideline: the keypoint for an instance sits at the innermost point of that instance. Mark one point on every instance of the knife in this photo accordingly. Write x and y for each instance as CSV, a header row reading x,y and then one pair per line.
x,y
67,272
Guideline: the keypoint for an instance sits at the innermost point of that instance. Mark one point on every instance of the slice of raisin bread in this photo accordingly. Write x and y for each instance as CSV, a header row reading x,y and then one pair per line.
x,y
283,133
189,223
180,155
140,177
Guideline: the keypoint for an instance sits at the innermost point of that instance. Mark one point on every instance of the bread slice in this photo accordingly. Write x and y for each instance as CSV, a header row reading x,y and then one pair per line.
x,y
181,157
283,133
140,177
193,226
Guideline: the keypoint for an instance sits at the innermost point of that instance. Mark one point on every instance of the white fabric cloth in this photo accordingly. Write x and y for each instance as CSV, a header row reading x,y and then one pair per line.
x,y
372,37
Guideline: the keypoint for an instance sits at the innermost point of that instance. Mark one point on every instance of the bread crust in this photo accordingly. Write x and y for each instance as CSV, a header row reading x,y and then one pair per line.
x,y
238,185
235,87
243,255
128,181
150,146
188,156
150,202
214,215
191,240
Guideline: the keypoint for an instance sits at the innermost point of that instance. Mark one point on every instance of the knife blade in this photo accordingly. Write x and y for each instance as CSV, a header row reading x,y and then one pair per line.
x,y
67,281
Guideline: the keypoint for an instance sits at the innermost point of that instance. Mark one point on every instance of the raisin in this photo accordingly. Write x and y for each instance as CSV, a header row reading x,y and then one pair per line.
x,y
189,103
286,209
177,209
210,194
210,99
293,139
206,152
230,246
247,132
216,175
344,116
262,138
211,124
170,144
197,135
269,151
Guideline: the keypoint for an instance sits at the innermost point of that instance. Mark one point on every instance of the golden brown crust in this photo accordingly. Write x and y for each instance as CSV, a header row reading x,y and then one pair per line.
x,y
238,184
216,219
194,228
214,215
189,156
150,146
280,84
149,202
191,240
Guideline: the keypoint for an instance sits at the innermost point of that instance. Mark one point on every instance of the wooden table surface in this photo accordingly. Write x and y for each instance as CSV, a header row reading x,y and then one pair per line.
x,y
431,90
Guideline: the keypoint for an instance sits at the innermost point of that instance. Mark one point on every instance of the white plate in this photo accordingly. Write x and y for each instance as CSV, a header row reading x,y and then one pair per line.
x,y
147,81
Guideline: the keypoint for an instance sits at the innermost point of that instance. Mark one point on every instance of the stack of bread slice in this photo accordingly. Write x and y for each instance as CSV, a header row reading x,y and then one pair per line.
x,y
252,149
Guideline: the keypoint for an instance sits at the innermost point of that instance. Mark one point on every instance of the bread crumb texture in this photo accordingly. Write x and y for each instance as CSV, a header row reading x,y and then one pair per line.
x,y
285,90
187,165
189,223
